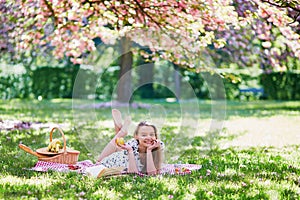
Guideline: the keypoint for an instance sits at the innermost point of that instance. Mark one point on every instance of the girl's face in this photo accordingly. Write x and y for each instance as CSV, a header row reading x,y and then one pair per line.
x,y
145,136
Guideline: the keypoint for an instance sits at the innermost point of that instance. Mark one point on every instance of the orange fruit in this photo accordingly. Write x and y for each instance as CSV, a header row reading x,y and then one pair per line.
x,y
120,141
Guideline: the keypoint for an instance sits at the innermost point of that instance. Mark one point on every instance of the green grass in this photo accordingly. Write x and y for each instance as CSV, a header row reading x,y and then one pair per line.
x,y
231,173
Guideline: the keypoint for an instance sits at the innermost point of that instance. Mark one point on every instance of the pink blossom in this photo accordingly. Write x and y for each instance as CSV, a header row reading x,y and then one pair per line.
x,y
210,193
82,193
244,184
266,44
208,172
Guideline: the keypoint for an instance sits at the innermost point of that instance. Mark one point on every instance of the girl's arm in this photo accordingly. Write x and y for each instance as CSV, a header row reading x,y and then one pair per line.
x,y
132,168
150,164
151,169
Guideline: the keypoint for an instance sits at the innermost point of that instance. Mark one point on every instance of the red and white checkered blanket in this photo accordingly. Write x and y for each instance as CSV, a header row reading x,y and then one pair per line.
x,y
81,166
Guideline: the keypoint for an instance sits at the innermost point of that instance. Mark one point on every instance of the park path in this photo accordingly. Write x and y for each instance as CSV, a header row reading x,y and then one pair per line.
x,y
277,131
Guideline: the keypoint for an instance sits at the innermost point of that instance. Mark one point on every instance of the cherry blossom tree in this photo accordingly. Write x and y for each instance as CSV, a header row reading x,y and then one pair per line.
x,y
177,28
270,41
70,26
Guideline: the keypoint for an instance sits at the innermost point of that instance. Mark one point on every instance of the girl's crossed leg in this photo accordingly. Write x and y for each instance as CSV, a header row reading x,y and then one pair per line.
x,y
121,131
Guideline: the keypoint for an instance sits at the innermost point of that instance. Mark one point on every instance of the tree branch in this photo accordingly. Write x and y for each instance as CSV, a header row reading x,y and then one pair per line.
x,y
295,18
287,5
150,17
51,10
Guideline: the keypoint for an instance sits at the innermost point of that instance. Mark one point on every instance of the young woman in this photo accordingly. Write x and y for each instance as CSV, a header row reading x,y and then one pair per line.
x,y
143,154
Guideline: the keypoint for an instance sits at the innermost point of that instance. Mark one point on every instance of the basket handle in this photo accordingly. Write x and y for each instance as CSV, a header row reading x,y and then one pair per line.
x,y
63,136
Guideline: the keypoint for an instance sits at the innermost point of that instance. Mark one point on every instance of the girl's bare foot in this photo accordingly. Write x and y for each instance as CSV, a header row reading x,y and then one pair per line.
x,y
117,118
124,130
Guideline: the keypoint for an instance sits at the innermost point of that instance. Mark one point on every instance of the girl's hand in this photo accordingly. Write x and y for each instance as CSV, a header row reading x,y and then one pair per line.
x,y
156,144
126,147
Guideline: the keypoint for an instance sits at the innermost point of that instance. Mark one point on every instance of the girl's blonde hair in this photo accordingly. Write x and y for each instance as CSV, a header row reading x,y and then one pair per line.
x,y
157,153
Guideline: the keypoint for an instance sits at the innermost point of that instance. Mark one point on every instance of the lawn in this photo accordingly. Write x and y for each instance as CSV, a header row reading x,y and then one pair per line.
x,y
255,155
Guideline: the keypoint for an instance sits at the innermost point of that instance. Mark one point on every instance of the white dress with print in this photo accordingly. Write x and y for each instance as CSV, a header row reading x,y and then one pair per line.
x,y
120,158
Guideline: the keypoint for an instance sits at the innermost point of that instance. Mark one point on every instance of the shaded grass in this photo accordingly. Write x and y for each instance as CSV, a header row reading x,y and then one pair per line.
x,y
255,173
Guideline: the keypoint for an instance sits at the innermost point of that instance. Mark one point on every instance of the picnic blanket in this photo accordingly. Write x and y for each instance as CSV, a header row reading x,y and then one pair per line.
x,y
83,166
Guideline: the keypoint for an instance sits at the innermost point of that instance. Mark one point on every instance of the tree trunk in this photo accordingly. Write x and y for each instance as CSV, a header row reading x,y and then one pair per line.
x,y
27,89
124,90
177,80
146,74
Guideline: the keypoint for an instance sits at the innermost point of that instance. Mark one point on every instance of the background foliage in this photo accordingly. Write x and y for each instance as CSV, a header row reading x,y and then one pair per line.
x,y
58,82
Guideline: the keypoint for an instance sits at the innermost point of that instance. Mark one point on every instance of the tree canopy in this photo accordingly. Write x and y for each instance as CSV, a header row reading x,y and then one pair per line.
x,y
270,41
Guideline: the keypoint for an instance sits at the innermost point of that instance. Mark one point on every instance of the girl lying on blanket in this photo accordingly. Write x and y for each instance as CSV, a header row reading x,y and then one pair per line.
x,y
143,154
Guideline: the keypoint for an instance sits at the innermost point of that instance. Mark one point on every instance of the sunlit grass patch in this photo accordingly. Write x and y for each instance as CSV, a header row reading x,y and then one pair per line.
x,y
42,181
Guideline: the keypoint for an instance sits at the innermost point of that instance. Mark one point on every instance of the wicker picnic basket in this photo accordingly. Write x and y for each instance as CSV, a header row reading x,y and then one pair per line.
x,y
68,156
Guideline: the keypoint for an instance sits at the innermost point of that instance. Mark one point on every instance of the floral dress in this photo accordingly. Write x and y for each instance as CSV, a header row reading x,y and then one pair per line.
x,y
120,158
